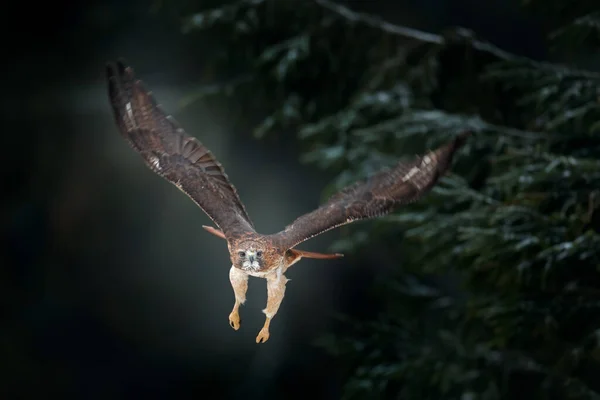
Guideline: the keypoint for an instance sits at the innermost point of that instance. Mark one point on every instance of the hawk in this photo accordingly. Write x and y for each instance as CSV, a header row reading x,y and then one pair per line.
x,y
185,162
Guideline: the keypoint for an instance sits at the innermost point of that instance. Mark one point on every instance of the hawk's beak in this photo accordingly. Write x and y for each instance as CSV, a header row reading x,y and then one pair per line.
x,y
251,258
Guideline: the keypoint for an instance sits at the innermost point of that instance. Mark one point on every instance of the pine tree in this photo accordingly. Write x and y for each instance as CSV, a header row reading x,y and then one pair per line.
x,y
498,295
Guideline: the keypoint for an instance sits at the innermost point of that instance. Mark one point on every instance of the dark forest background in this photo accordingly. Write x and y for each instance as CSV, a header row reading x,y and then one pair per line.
x,y
488,289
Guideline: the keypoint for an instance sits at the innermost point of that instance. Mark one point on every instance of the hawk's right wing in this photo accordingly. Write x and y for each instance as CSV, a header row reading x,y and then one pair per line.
x,y
173,154
374,197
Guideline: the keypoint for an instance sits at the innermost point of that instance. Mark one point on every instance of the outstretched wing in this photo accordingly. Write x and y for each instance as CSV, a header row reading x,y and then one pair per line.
x,y
376,196
173,154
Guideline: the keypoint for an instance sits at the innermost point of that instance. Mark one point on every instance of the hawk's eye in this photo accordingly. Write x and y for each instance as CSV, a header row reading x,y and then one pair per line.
x,y
259,253
242,254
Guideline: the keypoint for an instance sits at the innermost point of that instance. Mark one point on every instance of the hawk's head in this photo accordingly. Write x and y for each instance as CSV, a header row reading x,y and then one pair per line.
x,y
251,255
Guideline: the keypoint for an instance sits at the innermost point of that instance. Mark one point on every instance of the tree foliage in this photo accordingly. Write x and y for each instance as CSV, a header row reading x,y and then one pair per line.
x,y
513,231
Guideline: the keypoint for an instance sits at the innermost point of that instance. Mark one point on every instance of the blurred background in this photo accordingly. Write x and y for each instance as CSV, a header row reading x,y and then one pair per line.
x,y
110,288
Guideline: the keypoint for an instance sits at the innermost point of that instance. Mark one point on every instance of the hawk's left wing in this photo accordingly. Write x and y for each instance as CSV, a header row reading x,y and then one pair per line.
x,y
173,154
376,196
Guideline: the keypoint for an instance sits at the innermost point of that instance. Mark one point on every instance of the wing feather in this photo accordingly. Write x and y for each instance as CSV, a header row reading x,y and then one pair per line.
x,y
173,154
374,197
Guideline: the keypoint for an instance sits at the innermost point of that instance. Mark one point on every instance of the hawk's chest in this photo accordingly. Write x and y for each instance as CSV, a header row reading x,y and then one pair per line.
x,y
264,274
258,274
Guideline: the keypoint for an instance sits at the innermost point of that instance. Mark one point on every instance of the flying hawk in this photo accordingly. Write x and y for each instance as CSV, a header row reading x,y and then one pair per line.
x,y
182,160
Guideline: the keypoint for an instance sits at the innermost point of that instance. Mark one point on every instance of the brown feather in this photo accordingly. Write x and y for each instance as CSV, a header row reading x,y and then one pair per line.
x,y
318,256
374,197
217,232
173,154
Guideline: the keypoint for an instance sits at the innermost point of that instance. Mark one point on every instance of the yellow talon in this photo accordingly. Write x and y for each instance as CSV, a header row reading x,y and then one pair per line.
x,y
263,335
234,320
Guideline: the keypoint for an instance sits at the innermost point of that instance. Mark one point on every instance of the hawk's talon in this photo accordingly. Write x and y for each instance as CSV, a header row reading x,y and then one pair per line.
x,y
234,320
263,335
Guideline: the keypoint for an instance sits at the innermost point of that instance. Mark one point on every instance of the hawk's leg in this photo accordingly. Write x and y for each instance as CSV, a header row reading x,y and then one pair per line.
x,y
239,282
275,291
